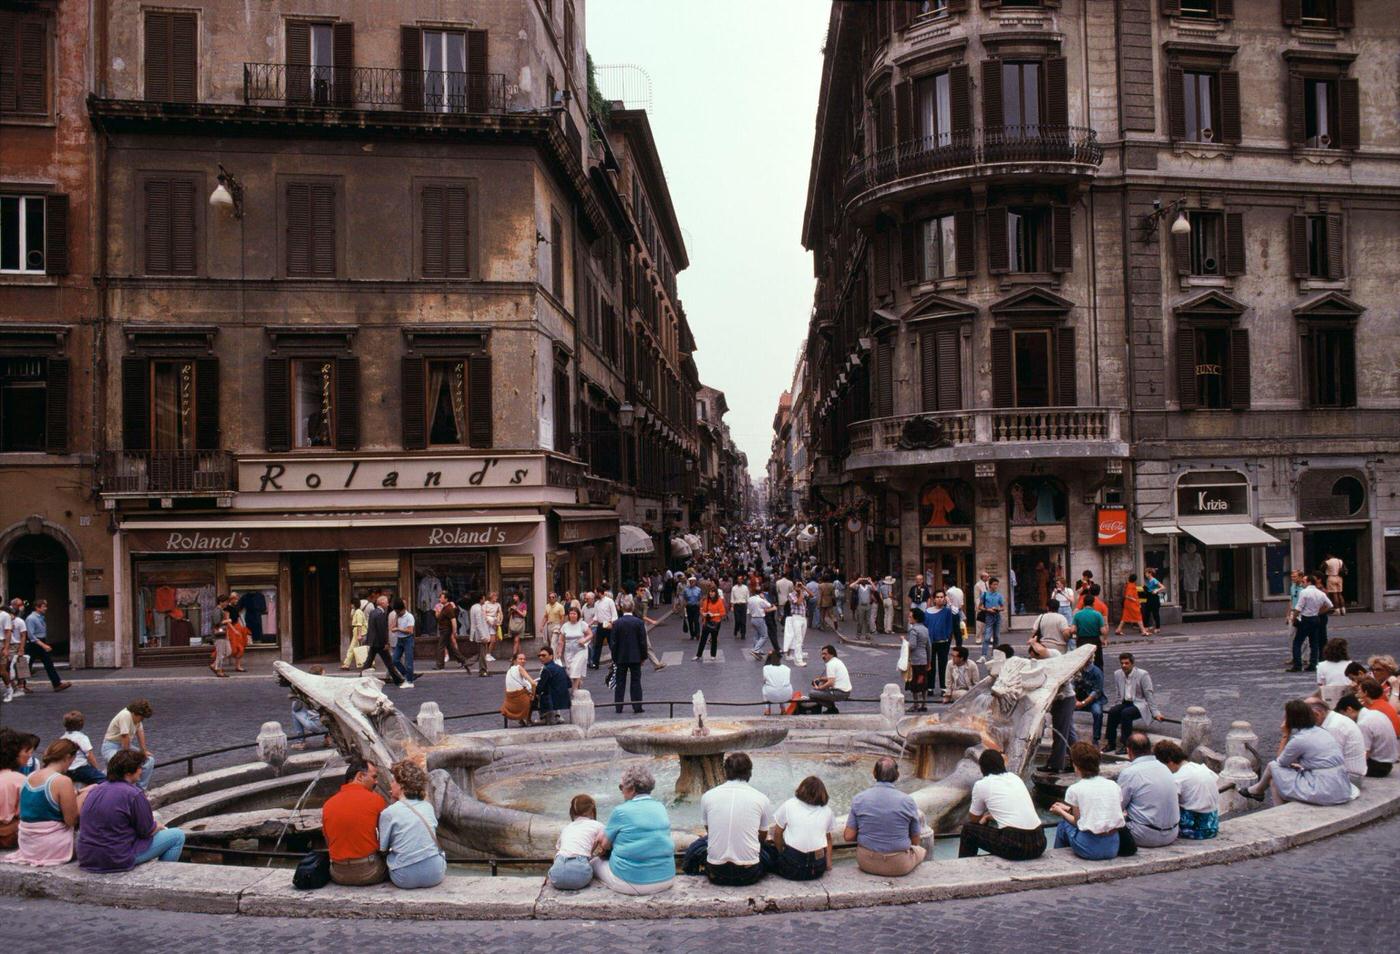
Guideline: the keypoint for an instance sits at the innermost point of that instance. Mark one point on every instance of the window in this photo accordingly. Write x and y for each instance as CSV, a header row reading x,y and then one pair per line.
x,y
940,248
1215,245
932,96
1020,97
171,207
311,241
1319,247
1198,9
447,401
446,231
1319,12
932,7
1031,372
24,55
172,405
556,261
444,70
1027,240
940,361
313,402
1202,105
1206,241
320,60
171,57
563,431
1324,104
26,390
1319,112
1330,364
1392,559
1212,367
1034,366
22,234
1277,565
569,35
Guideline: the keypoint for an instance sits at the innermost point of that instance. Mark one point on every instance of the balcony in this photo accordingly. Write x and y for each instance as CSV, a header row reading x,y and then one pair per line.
x,y
182,473
988,434
934,163
374,88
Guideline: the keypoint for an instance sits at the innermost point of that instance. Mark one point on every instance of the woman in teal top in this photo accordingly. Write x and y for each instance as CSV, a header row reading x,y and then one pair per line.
x,y
638,833
408,831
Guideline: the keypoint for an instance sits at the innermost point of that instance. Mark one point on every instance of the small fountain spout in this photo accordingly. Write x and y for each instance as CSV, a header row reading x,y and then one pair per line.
x,y
697,703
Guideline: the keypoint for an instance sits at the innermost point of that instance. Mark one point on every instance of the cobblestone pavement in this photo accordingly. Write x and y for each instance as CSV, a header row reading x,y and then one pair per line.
x,y
1242,907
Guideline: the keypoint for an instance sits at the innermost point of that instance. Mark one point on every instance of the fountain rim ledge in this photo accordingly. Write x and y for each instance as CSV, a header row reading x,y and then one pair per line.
x,y
214,889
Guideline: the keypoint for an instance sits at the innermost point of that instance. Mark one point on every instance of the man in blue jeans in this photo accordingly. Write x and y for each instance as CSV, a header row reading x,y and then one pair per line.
x,y
993,606
691,594
38,645
403,648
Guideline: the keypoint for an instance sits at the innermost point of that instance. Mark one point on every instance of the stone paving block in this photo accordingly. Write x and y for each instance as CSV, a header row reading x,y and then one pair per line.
x,y
165,886
849,887
470,898
690,897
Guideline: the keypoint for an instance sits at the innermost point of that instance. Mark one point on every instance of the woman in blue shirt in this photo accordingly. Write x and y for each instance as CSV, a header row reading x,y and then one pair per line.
x,y
408,831
638,834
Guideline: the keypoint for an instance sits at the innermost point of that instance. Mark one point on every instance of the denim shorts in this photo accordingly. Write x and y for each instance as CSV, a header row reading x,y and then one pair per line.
x,y
570,872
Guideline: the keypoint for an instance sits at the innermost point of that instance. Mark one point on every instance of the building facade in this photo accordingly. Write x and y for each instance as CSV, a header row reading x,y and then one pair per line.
x,y
1087,302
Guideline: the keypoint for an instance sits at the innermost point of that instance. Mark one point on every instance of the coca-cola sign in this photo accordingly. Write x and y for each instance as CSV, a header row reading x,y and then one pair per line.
x,y
1113,527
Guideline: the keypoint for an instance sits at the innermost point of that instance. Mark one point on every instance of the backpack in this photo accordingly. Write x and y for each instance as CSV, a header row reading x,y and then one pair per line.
x,y
313,871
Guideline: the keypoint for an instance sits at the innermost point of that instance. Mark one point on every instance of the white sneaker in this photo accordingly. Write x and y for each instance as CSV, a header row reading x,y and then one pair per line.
x,y
405,685
490,658
9,694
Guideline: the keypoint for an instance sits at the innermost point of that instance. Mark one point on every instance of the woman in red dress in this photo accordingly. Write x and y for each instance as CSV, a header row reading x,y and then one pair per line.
x,y
1132,607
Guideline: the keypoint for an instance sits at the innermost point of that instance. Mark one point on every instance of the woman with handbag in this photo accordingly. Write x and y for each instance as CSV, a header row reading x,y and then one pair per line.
x,y
520,692
408,831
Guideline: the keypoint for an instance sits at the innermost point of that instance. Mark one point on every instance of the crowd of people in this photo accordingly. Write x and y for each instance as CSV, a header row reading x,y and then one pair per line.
x,y
24,634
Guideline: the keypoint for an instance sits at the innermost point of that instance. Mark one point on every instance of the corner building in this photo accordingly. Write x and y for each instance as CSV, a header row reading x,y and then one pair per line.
x,y
1087,301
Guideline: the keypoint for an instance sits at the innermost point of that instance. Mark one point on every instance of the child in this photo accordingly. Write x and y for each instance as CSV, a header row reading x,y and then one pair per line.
x,y
84,769
27,760
572,868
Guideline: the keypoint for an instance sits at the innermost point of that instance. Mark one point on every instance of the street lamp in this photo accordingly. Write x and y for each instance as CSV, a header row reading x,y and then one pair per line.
x,y
1181,225
626,416
228,194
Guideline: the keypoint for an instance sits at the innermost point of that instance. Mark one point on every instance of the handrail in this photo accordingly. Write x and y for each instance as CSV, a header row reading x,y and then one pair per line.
x,y
426,90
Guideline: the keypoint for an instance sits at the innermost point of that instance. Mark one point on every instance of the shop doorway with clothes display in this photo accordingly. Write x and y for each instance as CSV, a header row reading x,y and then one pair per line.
x,y
945,534
315,608
1347,544
1038,517
36,568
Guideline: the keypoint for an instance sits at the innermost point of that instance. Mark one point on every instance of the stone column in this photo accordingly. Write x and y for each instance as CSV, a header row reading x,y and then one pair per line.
x,y
272,744
1195,730
581,711
430,722
891,705
1241,743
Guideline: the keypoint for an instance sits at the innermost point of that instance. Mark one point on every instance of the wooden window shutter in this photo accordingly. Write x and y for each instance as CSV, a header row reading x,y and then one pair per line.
x,y
56,407
1187,394
1348,113
206,403
881,245
884,121
322,229
1345,14
1336,248
184,57
1061,239
277,406
479,410
414,398
998,251
157,237
949,370
298,61
556,258
1234,243
991,98
1056,91
158,57
1066,358
182,227
136,404
1171,8
1292,12
1239,368
56,235
904,113
411,63
957,6
298,229
911,253
9,61
1230,131
1176,103
1297,115
960,99
1224,9
343,58
1298,245
901,16
434,225
928,371
882,21
1307,347
884,379
1181,253
1003,388
477,99
456,232
347,403
25,53
965,241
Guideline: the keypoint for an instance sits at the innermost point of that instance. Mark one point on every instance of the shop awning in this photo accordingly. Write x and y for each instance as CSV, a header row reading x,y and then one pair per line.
x,y
1283,525
679,548
791,532
1161,529
408,531
1230,535
578,525
634,541
696,544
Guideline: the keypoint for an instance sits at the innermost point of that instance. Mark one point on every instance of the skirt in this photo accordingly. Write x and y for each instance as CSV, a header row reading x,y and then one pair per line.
x,y
517,705
42,844
1132,611
577,664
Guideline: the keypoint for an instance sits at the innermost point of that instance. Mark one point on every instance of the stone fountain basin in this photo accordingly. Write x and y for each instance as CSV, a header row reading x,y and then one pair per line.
x,y
935,733
677,739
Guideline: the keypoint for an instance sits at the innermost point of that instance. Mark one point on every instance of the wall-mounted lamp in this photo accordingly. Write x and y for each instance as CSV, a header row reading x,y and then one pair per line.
x,y
540,238
1181,225
228,194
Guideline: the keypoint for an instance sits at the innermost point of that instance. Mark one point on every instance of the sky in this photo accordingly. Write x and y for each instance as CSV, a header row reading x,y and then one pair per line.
x,y
734,88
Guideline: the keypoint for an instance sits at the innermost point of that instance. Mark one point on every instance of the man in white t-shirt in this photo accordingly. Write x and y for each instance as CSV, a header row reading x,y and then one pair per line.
x,y
784,587
1003,798
739,600
17,636
402,624
6,627
1348,736
84,769
1377,734
834,685
737,816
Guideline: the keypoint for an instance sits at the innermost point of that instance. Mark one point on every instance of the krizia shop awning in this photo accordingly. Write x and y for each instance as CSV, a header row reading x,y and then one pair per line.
x,y
634,541
1230,535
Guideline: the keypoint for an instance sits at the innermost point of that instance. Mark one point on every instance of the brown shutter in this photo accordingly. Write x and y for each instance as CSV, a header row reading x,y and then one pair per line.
x,y
1176,103
1239,368
158,57
1336,248
347,403
881,244
904,113
1224,9
479,411
1187,393
456,232
56,234
901,15
477,100
884,121
343,57
1298,245
556,259
298,62
1234,243
1307,347
434,265
1229,106
31,72
1181,253
911,249
157,237
998,252
957,6
991,98
9,61
1348,113
965,241
136,404
56,407
1066,394
1056,92
928,371
1061,239
960,101
1345,14
1297,116
884,379
184,53
949,370
1003,389
414,400
322,229
206,403
411,62
182,231
1171,8
277,404
1292,12
298,229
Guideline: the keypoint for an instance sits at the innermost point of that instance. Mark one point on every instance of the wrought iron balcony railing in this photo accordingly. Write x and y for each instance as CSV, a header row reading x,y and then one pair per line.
x,y
168,473
374,88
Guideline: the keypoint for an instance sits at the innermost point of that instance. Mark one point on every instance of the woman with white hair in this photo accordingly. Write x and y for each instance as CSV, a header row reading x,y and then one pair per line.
x,y
637,840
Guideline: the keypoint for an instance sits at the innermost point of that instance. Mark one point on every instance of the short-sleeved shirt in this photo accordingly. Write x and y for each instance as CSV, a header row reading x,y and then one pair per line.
x,y
642,849
1099,804
84,745
993,599
350,822
1088,624
733,814
1008,800
578,837
1197,787
836,671
1052,627
123,723
804,826
115,826
884,818
1379,735
10,781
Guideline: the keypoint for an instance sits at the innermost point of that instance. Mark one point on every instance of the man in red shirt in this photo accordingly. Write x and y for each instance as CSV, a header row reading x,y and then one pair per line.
x,y
350,822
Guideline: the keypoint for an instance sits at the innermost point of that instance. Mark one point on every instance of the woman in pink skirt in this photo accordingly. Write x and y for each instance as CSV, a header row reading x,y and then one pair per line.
x,y
48,809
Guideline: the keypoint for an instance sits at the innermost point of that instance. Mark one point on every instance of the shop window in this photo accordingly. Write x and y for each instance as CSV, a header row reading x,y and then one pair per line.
x,y
1037,509
33,404
1037,500
1277,557
946,503
313,403
1392,559
456,573
174,604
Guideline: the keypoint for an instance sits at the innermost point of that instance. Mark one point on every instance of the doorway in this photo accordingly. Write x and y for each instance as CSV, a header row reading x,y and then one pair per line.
x,y
1348,544
37,569
1033,573
944,568
1214,582
315,608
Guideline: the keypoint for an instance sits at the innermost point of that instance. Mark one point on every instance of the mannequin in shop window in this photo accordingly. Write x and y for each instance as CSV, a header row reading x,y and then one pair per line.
x,y
1192,568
